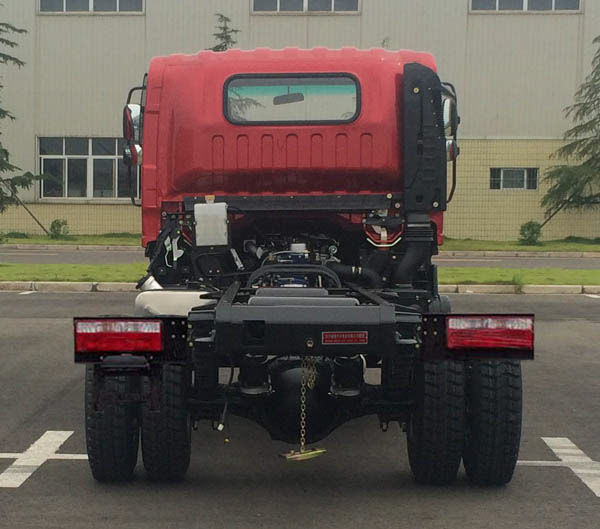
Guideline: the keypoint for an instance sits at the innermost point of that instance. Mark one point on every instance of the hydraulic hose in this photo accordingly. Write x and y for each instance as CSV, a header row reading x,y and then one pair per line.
x,y
356,272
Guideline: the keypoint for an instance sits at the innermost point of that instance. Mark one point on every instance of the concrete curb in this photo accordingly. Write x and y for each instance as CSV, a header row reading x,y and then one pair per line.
x,y
498,253
73,247
68,286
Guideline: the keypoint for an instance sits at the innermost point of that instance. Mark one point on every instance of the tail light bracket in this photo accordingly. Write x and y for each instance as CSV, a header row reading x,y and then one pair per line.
x,y
435,339
172,348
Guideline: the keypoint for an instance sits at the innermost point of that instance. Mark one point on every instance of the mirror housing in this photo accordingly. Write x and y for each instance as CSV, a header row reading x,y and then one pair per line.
x,y
132,152
450,115
131,123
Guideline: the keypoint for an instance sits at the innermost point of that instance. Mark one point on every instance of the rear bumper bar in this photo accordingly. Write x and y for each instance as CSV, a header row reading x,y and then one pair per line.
x,y
292,323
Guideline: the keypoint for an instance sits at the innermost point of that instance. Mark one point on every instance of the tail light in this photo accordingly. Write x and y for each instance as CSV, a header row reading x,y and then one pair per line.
x,y
489,332
118,336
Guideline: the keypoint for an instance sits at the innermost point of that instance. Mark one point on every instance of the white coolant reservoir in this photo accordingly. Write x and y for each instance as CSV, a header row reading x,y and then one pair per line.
x,y
211,224
168,302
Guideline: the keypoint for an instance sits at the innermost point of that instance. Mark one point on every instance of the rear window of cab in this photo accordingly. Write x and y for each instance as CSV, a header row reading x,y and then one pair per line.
x,y
280,99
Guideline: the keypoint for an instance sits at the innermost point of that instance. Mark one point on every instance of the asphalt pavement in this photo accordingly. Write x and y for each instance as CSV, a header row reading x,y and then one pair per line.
x,y
131,255
363,480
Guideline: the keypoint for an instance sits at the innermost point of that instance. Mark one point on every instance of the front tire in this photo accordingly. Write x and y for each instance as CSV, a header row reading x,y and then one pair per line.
x,y
111,429
494,417
437,425
166,431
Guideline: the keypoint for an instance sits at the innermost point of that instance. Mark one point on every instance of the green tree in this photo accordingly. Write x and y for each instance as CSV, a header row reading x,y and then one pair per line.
x,y
238,105
225,34
575,185
9,186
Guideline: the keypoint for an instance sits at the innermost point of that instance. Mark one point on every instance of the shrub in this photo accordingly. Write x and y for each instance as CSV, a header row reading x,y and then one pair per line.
x,y
530,233
59,229
17,235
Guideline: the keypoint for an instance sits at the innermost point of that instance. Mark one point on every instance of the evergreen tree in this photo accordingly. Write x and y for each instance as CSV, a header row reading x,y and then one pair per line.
x,y
9,186
225,35
238,105
577,186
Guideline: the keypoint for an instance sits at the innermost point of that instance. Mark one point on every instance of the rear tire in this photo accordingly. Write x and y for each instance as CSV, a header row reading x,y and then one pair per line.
x,y
111,430
436,430
494,416
167,432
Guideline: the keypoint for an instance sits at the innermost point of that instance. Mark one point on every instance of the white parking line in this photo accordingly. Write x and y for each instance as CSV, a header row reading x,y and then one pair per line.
x,y
26,293
44,449
593,296
585,468
35,456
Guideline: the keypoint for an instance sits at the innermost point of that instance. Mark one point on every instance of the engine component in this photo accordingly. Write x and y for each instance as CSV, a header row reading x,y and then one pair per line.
x,y
356,272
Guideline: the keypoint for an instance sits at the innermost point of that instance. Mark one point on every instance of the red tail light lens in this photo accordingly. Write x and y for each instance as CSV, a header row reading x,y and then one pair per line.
x,y
489,332
118,336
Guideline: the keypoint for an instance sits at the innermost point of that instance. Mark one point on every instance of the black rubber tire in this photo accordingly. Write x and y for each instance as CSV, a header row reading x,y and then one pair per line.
x,y
112,432
436,430
167,432
494,416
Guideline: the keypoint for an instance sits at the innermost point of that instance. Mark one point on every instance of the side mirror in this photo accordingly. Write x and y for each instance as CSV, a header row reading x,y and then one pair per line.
x,y
450,116
132,152
131,122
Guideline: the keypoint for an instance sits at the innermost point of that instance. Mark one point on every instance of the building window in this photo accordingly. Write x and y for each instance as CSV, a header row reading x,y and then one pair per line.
x,y
305,6
525,5
85,168
87,6
514,178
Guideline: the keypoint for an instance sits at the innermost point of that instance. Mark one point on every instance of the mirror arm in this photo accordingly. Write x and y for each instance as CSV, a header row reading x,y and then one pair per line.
x,y
455,139
453,189
132,91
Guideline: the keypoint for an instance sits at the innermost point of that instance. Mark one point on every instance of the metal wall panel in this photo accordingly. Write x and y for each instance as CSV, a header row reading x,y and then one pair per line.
x,y
18,94
514,72
521,71
86,65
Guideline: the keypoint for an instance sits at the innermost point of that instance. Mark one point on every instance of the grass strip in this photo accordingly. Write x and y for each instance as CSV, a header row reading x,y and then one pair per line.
x,y
129,272
109,239
447,275
571,244
517,276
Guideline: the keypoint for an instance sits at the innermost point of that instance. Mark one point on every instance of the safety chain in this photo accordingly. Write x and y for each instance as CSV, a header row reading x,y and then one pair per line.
x,y
308,377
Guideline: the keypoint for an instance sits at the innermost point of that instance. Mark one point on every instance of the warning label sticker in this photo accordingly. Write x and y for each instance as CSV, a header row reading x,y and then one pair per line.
x,y
345,337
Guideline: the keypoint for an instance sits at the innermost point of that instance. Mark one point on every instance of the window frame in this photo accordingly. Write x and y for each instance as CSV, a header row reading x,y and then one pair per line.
x,y
305,11
295,75
116,158
90,11
525,10
525,177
